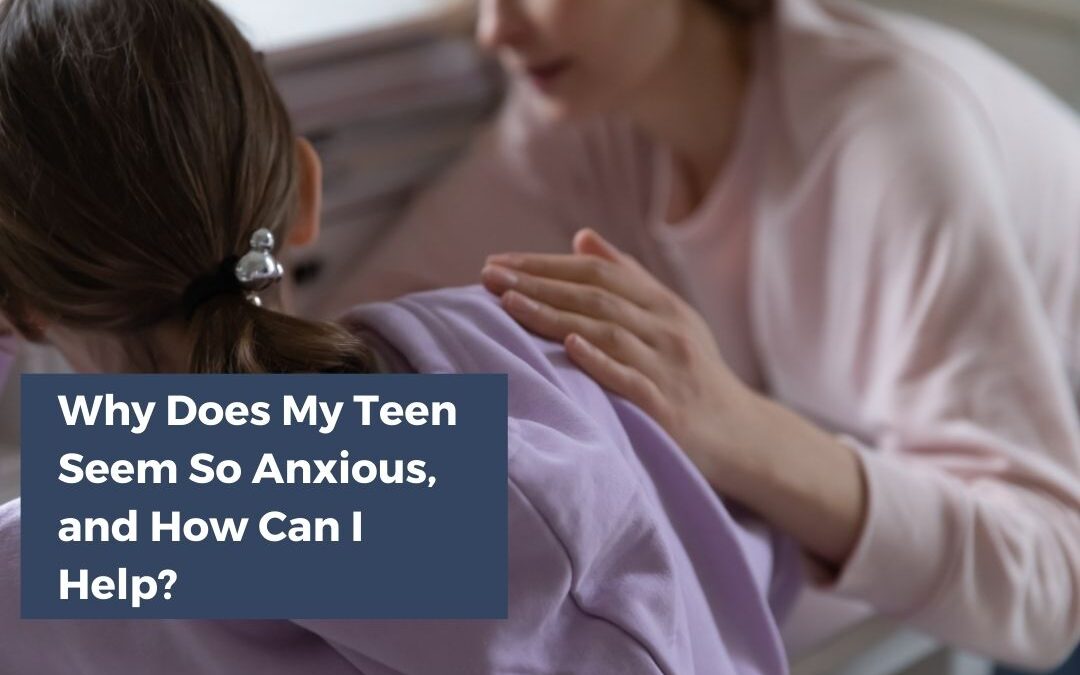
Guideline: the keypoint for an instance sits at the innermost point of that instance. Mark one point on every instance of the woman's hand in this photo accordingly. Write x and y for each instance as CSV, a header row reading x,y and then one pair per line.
x,y
634,336
638,339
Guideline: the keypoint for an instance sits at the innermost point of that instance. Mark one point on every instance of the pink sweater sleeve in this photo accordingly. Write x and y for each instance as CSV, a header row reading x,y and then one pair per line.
x,y
932,345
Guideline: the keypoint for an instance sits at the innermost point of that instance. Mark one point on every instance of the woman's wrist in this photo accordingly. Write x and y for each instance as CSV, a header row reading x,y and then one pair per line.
x,y
797,477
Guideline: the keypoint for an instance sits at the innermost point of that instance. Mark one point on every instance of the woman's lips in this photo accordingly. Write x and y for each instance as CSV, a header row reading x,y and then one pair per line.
x,y
545,74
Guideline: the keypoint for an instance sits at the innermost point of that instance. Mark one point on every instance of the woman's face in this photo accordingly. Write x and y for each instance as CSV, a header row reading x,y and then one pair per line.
x,y
582,56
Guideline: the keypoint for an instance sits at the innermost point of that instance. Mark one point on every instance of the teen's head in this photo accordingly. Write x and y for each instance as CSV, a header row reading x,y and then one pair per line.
x,y
587,56
141,145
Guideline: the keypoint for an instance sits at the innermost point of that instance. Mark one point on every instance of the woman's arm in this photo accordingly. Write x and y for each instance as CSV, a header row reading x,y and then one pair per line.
x,y
934,348
640,340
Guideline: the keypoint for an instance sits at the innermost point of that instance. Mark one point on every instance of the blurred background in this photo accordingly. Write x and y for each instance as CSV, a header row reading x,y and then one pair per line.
x,y
390,91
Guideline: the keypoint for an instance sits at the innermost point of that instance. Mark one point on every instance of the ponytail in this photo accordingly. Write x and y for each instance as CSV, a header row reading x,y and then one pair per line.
x,y
228,334
143,143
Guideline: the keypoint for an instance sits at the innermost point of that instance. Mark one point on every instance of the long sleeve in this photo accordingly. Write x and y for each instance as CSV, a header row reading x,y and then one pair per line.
x,y
897,307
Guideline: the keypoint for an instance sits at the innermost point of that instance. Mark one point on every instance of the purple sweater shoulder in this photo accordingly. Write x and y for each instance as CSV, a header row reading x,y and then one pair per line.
x,y
622,559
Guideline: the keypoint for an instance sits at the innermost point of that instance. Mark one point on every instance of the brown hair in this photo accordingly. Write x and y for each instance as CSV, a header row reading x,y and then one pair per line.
x,y
141,144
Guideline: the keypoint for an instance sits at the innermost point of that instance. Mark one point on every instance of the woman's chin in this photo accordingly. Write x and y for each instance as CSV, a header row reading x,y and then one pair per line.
x,y
563,108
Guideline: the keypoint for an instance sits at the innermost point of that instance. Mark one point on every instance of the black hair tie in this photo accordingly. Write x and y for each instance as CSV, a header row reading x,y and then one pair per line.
x,y
256,271
219,282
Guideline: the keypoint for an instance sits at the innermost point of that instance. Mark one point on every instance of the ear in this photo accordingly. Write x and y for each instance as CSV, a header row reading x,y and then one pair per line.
x,y
16,318
305,229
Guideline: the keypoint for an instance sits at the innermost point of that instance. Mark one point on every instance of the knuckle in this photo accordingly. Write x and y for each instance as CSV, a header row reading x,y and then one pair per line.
x,y
615,335
597,272
600,303
546,317
669,305
591,301
528,284
679,345
643,390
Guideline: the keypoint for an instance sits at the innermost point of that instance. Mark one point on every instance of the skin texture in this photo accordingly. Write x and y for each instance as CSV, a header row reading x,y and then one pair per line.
x,y
643,60
676,67
537,33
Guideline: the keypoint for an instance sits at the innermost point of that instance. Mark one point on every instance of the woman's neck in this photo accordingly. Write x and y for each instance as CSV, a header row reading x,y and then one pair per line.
x,y
692,103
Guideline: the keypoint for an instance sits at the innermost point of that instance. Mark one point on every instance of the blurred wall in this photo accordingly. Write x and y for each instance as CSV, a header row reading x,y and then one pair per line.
x,y
1042,36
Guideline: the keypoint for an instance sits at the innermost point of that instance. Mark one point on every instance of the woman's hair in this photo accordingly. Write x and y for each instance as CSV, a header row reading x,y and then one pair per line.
x,y
141,144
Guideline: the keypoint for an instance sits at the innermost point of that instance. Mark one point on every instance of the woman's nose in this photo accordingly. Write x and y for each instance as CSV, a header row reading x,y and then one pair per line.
x,y
501,23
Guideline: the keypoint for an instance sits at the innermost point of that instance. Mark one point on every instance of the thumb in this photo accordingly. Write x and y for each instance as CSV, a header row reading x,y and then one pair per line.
x,y
588,242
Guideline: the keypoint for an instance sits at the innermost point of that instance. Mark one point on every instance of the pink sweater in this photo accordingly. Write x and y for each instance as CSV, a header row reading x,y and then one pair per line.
x,y
894,252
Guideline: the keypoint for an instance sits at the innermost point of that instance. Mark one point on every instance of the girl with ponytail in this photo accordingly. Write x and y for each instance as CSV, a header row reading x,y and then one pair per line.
x,y
149,177
119,198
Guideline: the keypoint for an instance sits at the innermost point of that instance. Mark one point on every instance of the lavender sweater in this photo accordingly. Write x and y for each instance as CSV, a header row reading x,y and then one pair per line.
x,y
622,559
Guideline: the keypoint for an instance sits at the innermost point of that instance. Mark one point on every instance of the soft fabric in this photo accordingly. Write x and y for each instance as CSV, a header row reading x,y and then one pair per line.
x,y
622,559
893,250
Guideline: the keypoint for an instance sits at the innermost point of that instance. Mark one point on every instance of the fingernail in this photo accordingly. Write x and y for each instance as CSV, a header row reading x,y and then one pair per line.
x,y
499,276
521,303
577,342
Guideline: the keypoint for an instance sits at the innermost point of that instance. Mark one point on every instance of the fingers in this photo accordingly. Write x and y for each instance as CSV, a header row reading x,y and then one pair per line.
x,y
629,281
567,267
586,300
556,324
589,242
617,377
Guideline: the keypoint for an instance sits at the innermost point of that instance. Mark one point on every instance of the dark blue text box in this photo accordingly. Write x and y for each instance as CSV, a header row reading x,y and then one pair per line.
x,y
426,551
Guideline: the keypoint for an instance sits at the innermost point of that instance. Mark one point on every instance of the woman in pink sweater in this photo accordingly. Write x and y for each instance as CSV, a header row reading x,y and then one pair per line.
x,y
839,263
